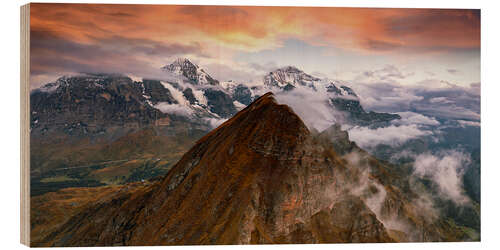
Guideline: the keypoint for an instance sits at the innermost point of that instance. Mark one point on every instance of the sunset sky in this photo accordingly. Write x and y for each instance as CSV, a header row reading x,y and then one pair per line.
x,y
407,46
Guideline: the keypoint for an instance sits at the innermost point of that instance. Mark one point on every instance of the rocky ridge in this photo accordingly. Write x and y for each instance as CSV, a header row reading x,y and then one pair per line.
x,y
261,177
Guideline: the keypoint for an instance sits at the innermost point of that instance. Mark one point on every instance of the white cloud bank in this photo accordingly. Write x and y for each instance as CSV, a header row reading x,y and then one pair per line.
x,y
392,135
176,109
408,118
465,123
446,169
215,122
311,106
411,126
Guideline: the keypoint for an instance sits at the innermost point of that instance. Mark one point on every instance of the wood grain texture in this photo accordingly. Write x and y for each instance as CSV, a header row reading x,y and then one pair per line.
x,y
25,116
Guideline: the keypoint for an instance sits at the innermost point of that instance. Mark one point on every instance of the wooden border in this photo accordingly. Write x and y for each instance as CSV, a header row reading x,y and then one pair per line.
x,y
25,124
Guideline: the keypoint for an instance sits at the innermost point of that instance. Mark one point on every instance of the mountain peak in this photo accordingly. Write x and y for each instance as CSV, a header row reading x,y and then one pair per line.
x,y
183,62
291,68
265,121
84,81
260,174
181,66
193,73
341,91
289,77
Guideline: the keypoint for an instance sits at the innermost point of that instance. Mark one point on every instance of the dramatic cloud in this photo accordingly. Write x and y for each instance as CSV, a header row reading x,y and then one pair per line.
x,y
411,126
138,38
424,29
380,90
452,102
446,169
312,106
51,52
370,29
408,118
392,135
384,97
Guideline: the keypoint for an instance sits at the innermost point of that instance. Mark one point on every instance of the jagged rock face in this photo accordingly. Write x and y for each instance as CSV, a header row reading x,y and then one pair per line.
x,y
288,77
358,116
343,90
347,101
191,71
188,94
92,101
220,103
242,94
91,104
156,92
80,120
353,107
261,177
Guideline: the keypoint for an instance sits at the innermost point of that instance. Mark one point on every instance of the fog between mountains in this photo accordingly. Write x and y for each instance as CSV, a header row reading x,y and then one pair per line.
x,y
312,105
314,109
375,194
446,169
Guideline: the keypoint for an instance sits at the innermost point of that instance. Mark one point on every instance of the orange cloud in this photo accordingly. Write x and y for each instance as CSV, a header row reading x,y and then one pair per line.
x,y
255,28
140,38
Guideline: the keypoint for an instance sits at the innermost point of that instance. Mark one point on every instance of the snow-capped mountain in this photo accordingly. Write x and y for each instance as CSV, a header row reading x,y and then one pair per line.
x,y
341,91
241,93
340,98
289,77
186,92
193,73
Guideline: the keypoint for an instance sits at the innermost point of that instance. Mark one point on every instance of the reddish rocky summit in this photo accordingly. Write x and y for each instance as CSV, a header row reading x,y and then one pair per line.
x,y
259,178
